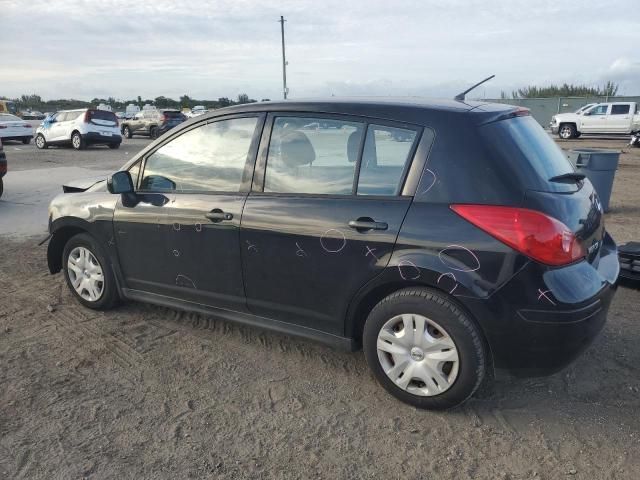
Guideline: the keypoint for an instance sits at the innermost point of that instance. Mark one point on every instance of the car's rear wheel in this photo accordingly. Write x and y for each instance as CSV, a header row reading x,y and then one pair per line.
x,y
114,145
126,132
87,272
567,131
424,349
26,140
153,132
41,143
77,141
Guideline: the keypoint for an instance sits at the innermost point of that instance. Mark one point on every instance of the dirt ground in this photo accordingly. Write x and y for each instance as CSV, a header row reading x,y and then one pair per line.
x,y
146,392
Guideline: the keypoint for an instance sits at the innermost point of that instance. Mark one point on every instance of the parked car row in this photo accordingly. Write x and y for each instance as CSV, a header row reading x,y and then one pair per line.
x,y
611,118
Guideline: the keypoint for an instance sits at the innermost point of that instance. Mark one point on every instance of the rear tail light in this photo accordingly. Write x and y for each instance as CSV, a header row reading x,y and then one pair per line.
x,y
87,116
532,233
26,125
3,126
163,118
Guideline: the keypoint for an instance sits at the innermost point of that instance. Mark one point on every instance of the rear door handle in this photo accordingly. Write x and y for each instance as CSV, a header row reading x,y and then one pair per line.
x,y
363,224
217,215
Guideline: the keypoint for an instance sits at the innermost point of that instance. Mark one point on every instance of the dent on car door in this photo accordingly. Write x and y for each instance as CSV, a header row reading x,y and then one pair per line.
x,y
323,216
190,250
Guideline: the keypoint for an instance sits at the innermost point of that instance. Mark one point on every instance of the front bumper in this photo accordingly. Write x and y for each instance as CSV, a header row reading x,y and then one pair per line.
x,y
554,128
93,138
544,318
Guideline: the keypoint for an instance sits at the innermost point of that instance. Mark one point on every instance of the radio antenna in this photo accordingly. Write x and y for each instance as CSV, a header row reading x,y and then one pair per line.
x,y
460,96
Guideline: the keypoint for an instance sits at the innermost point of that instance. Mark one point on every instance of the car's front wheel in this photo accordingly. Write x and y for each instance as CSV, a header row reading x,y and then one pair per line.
x,y
77,141
41,143
424,349
88,274
567,131
153,132
26,140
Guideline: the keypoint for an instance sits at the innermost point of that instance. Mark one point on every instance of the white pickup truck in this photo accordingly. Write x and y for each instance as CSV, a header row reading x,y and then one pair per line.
x,y
602,119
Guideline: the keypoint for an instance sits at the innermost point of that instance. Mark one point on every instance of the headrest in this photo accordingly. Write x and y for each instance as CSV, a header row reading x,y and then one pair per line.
x,y
353,144
296,149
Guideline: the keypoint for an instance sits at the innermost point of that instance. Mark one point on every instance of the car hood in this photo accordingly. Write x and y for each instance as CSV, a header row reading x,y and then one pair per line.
x,y
82,185
567,116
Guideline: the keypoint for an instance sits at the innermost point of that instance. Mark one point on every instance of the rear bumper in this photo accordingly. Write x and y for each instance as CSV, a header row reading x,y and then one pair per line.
x,y
544,318
93,138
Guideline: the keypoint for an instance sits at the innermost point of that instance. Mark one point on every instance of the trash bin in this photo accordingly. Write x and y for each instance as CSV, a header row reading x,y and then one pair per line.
x,y
600,167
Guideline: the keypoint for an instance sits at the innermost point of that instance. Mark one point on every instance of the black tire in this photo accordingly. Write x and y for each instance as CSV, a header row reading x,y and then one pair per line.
x,y
114,146
41,143
109,297
26,140
77,142
1,187
436,306
567,131
153,132
126,132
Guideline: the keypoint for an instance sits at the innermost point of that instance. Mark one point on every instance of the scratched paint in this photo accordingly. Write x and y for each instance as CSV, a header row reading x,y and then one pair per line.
x,y
545,294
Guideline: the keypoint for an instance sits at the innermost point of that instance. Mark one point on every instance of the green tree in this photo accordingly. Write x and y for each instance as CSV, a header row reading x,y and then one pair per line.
x,y
566,90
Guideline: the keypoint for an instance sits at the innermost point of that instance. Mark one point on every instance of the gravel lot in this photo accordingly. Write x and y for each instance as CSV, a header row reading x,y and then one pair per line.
x,y
147,392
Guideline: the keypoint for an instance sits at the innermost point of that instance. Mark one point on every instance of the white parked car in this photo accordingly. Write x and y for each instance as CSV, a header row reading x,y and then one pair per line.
x,y
602,118
14,128
79,128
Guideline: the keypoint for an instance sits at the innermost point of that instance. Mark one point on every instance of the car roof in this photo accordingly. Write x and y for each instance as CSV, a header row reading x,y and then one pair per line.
x,y
406,109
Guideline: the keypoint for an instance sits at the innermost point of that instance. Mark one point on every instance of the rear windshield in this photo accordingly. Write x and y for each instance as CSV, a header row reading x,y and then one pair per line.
x,y
173,114
522,143
102,115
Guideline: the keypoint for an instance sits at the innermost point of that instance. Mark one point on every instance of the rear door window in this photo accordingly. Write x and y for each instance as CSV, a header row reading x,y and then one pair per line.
x,y
313,155
620,109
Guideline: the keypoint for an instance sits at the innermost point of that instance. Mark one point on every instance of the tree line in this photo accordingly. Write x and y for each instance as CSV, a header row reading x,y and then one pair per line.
x,y
609,89
35,102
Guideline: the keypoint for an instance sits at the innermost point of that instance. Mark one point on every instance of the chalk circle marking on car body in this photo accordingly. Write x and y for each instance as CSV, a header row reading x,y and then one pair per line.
x,y
444,259
324,239
408,267
453,277
433,180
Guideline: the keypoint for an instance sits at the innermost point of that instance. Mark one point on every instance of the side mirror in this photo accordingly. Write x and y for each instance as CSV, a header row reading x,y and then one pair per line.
x,y
120,182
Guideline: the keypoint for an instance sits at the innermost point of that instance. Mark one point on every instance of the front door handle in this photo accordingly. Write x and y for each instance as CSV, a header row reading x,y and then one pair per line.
x,y
363,224
217,215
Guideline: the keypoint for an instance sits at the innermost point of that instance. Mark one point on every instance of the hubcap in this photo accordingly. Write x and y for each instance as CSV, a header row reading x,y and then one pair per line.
x,y
418,355
85,274
565,132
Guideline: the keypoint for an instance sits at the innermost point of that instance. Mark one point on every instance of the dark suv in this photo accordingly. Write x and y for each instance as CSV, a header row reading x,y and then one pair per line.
x,y
445,238
152,123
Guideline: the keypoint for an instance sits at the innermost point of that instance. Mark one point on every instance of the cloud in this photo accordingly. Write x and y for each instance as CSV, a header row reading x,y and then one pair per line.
x,y
76,48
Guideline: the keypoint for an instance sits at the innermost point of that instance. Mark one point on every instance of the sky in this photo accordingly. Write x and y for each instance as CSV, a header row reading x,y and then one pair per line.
x,y
220,48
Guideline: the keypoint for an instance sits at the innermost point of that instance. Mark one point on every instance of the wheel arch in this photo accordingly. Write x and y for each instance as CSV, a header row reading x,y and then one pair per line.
x,y
62,230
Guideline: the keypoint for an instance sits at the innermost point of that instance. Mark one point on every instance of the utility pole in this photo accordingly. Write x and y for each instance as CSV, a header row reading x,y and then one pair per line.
x,y
285,90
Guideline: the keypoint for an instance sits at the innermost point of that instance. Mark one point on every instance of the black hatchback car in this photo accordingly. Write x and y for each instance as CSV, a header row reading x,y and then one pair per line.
x,y
444,238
